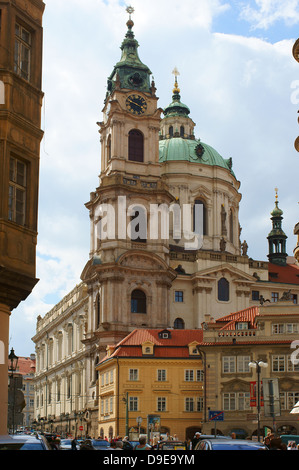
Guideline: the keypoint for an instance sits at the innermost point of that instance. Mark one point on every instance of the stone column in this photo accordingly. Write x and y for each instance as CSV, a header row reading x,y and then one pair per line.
x,y
4,335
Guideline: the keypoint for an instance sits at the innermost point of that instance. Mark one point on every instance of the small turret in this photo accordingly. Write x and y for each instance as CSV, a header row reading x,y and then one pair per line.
x,y
277,238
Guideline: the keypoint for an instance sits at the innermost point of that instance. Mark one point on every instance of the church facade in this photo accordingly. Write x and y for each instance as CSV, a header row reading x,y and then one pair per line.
x,y
165,242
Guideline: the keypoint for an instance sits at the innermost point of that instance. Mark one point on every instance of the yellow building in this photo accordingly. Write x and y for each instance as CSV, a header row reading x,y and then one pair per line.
x,y
152,374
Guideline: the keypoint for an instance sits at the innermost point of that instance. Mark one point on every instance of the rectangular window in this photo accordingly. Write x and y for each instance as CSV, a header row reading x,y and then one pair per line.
x,y
242,363
189,375
161,404
133,374
292,328
292,366
228,364
199,404
274,296
179,296
294,298
17,191
199,375
278,329
255,295
229,401
189,404
278,363
133,403
22,53
161,375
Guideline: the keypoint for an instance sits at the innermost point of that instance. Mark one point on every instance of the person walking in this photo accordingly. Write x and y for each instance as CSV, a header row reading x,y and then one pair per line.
x,y
142,444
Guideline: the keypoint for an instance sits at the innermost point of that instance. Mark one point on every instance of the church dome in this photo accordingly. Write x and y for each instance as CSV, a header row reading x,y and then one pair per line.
x,y
177,140
191,150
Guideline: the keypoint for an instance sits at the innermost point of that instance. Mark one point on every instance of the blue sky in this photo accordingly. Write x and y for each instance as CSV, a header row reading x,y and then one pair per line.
x,y
236,76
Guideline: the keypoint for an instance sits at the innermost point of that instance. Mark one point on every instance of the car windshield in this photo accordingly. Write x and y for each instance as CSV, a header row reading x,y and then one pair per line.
x,y
100,444
235,446
32,446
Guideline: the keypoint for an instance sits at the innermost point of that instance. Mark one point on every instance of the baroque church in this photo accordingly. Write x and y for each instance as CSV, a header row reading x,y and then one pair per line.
x,y
150,158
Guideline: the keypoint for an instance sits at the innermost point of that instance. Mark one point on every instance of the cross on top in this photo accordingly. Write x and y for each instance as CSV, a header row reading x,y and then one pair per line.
x,y
130,10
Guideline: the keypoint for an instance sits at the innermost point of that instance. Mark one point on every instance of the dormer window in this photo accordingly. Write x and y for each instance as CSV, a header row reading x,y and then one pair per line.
x,y
148,348
165,334
242,325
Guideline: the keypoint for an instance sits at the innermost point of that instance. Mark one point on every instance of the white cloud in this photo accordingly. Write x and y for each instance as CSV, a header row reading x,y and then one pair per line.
x,y
266,13
238,91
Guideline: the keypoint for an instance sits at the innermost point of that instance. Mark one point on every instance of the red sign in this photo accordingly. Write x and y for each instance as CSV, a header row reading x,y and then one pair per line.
x,y
80,428
253,394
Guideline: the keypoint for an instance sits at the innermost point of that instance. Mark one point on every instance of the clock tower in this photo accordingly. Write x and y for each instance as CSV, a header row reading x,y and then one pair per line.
x,y
131,119
128,273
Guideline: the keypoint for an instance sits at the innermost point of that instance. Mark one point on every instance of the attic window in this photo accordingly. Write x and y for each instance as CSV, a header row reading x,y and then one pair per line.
x,y
165,334
147,349
242,325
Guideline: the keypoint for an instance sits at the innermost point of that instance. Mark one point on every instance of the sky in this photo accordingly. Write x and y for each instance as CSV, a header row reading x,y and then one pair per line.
x,y
237,76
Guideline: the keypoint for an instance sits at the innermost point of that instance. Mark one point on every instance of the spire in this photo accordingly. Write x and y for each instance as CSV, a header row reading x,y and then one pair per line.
x,y
277,238
176,107
130,73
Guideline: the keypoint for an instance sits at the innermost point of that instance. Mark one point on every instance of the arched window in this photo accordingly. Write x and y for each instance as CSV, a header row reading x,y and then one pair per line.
x,y
171,131
182,131
223,289
204,215
136,147
97,311
179,324
138,301
138,224
231,226
109,148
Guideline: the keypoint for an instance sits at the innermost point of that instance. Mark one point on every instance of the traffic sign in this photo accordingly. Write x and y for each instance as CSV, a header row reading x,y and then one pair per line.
x,y
216,415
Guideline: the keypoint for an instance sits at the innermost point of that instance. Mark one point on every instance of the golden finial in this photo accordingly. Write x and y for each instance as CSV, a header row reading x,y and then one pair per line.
x,y
176,86
276,193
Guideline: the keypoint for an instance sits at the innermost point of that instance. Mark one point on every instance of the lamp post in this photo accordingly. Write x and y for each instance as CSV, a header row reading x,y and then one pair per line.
x,y
202,355
13,367
258,365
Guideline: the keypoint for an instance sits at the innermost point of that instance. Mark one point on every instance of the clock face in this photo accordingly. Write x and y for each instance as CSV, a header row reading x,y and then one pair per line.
x,y
136,104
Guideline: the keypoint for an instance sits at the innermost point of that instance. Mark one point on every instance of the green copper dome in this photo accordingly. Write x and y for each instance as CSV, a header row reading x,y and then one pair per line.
x,y
180,149
177,141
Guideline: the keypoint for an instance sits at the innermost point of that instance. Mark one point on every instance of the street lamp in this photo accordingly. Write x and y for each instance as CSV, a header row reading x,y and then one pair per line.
x,y
258,365
13,367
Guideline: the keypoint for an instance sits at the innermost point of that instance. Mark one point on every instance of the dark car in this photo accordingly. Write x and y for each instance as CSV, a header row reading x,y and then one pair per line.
x,y
100,444
24,442
172,445
229,444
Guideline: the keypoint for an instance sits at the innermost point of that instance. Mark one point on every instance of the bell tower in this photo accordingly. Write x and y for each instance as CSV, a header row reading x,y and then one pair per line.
x,y
277,238
131,119
128,272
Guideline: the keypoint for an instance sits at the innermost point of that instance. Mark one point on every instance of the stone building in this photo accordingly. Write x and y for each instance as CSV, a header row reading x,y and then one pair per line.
x,y
146,269
21,98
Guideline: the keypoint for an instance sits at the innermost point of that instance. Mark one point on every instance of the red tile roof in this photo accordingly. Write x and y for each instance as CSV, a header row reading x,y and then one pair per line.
x,y
26,365
176,346
246,315
288,274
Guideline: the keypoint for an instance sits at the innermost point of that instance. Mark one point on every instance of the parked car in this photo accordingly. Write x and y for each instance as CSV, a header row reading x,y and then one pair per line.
x,y
100,444
229,444
24,442
66,444
171,445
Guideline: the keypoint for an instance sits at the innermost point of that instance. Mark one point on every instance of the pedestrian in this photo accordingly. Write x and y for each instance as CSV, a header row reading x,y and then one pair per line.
x,y
195,440
142,444
74,444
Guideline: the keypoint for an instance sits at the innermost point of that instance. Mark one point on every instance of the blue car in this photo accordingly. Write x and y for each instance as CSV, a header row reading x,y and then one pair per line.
x,y
229,444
